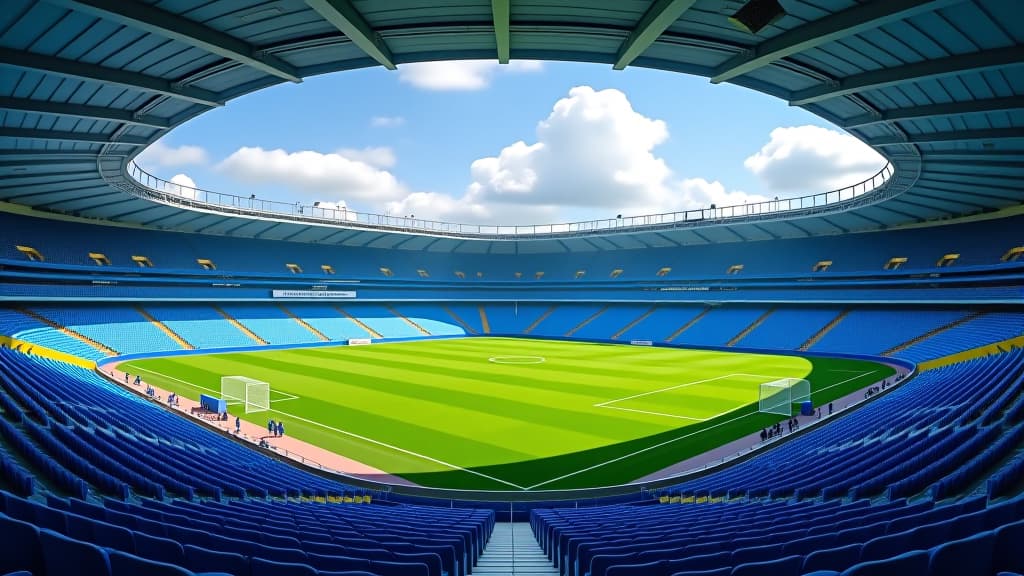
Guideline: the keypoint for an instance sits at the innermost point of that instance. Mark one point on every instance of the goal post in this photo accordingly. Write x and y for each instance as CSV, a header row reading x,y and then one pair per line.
x,y
253,394
778,396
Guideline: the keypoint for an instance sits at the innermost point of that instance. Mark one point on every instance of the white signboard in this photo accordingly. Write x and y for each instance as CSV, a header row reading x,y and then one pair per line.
x,y
314,293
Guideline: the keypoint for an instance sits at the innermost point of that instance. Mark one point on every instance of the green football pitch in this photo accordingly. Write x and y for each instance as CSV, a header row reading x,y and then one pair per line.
x,y
509,413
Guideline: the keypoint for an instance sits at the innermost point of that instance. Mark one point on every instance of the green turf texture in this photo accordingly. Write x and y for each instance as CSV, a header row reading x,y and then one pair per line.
x,y
443,415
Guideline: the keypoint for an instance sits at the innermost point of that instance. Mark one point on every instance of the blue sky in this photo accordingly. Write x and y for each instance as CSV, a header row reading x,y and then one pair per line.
x,y
525,143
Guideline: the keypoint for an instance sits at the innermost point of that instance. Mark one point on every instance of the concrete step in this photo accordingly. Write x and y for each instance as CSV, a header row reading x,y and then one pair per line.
x,y
513,551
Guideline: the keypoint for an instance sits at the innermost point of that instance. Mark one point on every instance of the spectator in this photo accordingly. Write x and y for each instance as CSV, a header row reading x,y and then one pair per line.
x,y
280,428
138,379
764,434
830,408
238,425
271,427
125,378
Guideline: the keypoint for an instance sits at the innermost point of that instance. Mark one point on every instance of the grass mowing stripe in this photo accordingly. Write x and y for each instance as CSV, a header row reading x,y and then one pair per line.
x,y
521,424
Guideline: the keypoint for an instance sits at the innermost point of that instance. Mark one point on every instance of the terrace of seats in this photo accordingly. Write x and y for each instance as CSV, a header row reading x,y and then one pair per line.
x,y
978,244
958,423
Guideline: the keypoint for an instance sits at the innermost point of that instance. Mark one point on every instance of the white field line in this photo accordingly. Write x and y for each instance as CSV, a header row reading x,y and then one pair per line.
x,y
655,413
665,443
360,437
605,403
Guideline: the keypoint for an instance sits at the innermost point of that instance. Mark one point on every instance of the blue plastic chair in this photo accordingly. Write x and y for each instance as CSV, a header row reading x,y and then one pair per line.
x,y
915,562
971,556
1009,554
261,567
787,566
19,546
122,564
839,558
200,559
62,555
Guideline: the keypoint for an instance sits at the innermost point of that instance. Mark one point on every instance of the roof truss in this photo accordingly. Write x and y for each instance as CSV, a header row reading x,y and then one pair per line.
x,y
169,25
344,16
653,23
83,111
85,71
883,77
828,29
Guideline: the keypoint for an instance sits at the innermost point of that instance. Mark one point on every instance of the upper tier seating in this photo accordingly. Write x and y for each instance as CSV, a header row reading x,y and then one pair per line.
x,y
118,326
65,242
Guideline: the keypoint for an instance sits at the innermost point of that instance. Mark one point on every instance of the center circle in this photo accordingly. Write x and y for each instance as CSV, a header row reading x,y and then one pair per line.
x,y
517,359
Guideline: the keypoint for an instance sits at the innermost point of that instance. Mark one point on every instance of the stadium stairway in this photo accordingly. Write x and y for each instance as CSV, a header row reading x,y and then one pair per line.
x,y
484,322
753,326
513,551
825,330
185,344
69,332
408,321
687,326
930,333
588,320
541,318
465,326
373,333
635,321
241,327
303,323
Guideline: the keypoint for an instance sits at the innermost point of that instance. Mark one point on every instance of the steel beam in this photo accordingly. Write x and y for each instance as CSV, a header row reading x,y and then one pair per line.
x,y
952,136
66,136
85,71
973,62
147,17
83,111
344,16
654,22
937,110
860,18
501,13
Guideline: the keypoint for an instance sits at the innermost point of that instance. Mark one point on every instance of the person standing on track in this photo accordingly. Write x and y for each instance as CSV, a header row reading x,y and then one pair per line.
x,y
280,429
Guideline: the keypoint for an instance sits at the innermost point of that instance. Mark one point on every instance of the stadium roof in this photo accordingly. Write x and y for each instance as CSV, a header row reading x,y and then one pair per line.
x,y
935,86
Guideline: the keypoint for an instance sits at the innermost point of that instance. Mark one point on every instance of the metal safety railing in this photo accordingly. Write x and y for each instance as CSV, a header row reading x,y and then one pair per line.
x,y
145,185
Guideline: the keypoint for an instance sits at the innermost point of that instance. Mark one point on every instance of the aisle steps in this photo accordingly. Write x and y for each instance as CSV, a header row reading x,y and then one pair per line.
x,y
512,550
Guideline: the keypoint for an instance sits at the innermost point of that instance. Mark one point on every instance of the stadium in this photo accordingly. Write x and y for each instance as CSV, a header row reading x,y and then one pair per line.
x,y
204,382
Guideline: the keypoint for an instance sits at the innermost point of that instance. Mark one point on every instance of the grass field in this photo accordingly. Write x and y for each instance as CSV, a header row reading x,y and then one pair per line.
x,y
509,413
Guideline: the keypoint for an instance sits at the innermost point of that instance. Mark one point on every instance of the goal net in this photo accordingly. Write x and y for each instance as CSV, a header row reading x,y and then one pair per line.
x,y
252,393
778,396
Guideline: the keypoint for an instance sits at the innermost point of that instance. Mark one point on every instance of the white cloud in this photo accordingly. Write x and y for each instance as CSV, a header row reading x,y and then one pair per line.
x,y
387,121
160,155
812,159
460,74
182,185
380,157
593,158
349,174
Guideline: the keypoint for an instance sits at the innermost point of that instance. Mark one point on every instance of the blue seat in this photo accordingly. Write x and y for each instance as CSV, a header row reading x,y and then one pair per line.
x,y
970,556
200,559
886,546
337,563
1009,554
19,546
261,567
123,564
839,558
787,566
62,555
716,572
19,573
159,549
285,555
386,568
752,554
600,563
915,562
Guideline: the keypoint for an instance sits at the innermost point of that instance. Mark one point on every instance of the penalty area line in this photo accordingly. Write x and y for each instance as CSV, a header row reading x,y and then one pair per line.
x,y
354,435
684,436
